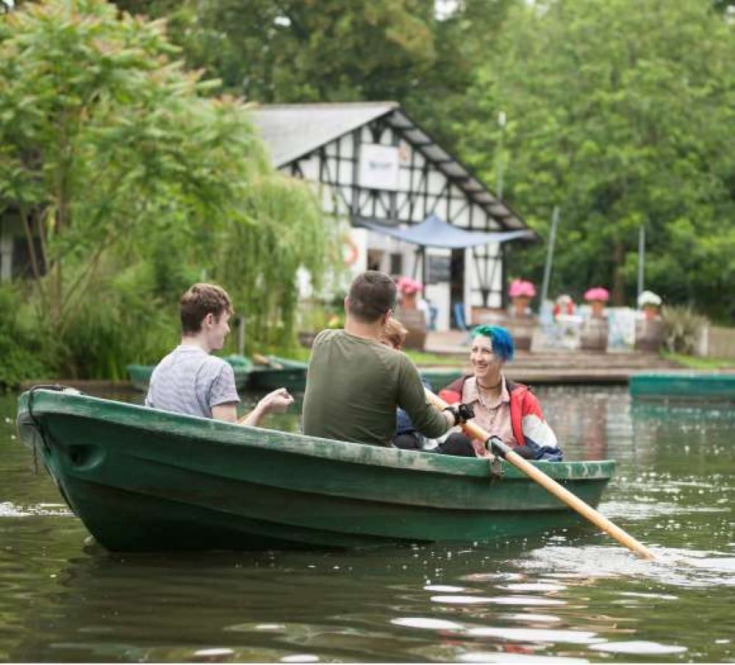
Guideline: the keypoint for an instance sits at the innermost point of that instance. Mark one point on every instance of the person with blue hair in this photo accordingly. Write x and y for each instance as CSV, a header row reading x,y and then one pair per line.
x,y
502,407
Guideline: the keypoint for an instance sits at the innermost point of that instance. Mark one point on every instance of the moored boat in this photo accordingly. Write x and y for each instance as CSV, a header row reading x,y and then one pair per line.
x,y
683,386
279,373
140,375
440,377
146,480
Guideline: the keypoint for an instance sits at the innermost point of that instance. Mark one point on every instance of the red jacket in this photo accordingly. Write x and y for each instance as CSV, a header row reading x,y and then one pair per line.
x,y
526,417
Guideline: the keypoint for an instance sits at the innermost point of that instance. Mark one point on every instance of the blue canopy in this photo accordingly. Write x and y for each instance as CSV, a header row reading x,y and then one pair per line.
x,y
435,232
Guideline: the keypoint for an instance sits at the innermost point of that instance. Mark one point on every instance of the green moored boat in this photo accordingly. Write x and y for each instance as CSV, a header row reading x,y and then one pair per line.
x,y
146,480
140,375
279,373
440,377
683,386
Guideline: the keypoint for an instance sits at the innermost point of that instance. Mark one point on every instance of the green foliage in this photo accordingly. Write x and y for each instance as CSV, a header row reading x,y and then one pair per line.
x,y
332,50
621,112
682,329
116,158
695,362
21,347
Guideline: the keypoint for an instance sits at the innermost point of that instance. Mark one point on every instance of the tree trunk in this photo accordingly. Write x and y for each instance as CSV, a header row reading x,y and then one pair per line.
x,y
618,290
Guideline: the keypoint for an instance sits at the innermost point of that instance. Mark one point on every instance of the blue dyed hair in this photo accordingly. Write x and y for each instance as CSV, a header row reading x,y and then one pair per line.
x,y
503,346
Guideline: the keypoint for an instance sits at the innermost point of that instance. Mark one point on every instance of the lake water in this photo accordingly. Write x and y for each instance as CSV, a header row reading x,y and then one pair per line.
x,y
564,597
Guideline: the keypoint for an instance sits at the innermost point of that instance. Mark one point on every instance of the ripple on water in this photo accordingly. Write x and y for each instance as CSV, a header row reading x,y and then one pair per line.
x,y
638,648
537,635
542,587
518,658
676,567
427,623
542,636
8,509
496,600
300,658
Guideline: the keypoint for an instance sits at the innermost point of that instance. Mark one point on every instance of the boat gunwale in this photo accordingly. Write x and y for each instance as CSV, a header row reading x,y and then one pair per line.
x,y
136,416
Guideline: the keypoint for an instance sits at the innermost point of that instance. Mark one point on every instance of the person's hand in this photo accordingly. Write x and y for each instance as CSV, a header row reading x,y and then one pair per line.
x,y
461,412
276,402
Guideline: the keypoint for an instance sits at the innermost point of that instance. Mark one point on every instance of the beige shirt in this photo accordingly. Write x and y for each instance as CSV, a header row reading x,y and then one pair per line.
x,y
493,417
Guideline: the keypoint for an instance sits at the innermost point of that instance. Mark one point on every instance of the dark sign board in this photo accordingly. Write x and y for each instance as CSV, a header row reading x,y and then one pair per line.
x,y
439,269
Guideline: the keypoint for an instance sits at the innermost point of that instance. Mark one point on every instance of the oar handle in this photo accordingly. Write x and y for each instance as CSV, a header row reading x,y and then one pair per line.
x,y
260,359
561,493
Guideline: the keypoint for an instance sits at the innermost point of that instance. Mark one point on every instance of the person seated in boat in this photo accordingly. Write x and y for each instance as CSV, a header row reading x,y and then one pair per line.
x,y
191,381
407,437
354,383
502,407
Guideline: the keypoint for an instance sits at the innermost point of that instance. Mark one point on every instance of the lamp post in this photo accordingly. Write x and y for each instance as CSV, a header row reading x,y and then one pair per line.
x,y
499,157
641,257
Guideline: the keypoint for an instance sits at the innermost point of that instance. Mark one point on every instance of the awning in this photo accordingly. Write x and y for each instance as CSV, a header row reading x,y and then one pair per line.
x,y
435,232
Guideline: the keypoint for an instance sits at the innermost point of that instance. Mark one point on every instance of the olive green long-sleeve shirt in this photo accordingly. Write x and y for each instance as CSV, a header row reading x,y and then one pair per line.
x,y
354,386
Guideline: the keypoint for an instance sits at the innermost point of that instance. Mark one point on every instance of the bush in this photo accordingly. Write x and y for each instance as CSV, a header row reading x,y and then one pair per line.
x,y
22,356
682,329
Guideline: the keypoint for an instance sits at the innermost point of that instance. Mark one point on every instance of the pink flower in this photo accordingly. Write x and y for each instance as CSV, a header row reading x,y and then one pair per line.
x,y
521,288
597,293
408,285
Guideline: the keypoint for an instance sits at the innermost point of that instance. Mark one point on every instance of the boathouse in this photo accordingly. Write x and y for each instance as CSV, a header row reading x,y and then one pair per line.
x,y
408,206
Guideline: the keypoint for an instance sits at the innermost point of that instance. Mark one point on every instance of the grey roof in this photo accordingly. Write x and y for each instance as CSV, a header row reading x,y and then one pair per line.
x,y
293,131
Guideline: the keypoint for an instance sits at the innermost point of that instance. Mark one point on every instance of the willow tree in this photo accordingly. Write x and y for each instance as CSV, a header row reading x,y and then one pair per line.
x,y
108,147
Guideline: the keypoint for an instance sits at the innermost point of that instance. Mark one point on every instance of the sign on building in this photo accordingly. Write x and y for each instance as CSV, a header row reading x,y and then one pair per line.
x,y
378,167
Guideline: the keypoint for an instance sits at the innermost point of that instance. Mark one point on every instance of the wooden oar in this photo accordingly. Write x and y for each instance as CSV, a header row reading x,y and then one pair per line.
x,y
564,495
260,359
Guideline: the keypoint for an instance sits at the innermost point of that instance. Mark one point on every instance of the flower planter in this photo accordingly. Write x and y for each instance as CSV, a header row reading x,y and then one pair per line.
x,y
593,336
415,323
649,335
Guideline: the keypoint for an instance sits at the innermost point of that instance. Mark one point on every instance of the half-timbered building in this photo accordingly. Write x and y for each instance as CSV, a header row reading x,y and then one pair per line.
x,y
373,166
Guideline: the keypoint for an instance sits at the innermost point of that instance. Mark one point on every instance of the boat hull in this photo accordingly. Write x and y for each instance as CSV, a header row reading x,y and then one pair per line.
x,y
145,480
683,386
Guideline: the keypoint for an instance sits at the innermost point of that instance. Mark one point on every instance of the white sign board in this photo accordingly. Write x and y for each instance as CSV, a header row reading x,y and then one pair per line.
x,y
378,166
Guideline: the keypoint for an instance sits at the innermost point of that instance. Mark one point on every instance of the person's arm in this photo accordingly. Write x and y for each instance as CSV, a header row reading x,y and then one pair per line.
x,y
539,436
412,399
274,402
226,412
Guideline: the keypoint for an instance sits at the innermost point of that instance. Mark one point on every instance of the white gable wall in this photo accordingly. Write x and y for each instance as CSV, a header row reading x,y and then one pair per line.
x,y
422,189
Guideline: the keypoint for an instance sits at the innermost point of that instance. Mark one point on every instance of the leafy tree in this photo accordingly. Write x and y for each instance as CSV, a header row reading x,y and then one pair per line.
x,y
621,112
284,51
114,156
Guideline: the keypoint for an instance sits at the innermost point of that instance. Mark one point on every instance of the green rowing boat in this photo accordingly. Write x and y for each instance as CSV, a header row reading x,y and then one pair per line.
x,y
146,480
279,373
683,386
440,377
140,375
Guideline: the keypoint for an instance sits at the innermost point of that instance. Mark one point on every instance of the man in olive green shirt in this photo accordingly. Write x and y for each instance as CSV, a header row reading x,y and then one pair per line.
x,y
355,383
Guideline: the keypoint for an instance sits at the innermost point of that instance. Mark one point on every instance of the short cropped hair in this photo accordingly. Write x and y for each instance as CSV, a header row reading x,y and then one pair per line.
x,y
372,294
202,299
503,346
394,333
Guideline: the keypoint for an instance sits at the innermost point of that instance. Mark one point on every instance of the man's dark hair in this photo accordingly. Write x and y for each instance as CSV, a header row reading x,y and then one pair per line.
x,y
371,295
200,300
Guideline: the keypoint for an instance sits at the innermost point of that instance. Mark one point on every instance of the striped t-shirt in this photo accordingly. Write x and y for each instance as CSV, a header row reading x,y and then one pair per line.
x,y
190,381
